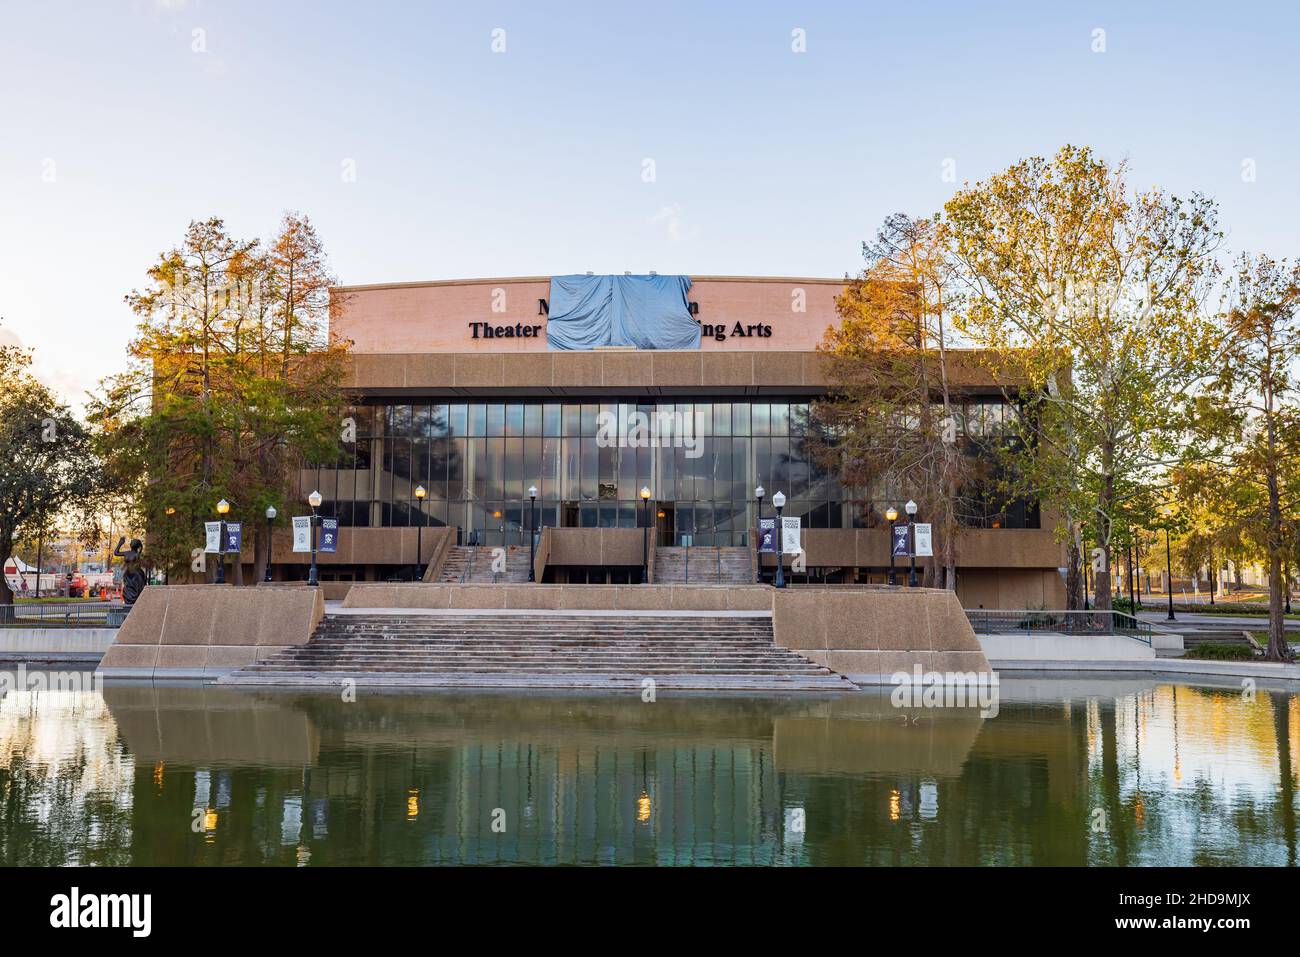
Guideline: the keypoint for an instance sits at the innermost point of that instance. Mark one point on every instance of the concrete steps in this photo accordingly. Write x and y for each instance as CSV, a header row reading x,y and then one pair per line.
x,y
474,564
687,652
705,565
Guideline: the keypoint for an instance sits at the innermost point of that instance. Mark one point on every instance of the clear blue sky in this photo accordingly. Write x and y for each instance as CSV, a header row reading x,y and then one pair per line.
x,y
529,162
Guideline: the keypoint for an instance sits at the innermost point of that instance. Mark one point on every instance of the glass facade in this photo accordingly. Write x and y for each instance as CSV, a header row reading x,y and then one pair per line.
x,y
589,459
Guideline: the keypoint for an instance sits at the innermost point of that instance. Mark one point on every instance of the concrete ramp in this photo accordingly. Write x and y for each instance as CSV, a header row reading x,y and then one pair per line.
x,y
202,631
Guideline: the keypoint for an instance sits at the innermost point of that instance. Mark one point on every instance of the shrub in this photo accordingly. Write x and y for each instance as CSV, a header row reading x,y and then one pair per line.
x,y
1210,651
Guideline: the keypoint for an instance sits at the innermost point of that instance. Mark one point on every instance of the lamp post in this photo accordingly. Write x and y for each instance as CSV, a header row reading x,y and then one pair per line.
x,y
645,534
779,501
758,564
420,493
910,508
891,513
532,533
270,517
223,507
314,500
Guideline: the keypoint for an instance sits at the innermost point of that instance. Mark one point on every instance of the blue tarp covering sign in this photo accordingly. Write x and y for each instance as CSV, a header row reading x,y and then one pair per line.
x,y
648,312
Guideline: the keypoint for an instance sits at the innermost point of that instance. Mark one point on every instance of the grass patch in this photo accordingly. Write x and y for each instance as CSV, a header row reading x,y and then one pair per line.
x,y
1211,651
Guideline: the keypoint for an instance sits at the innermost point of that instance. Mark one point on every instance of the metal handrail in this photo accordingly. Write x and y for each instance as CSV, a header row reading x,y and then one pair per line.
x,y
1058,621
85,614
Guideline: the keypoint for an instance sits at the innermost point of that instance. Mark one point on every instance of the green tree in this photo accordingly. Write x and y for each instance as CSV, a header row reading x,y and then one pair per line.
x,y
47,465
1258,381
233,384
891,423
1090,297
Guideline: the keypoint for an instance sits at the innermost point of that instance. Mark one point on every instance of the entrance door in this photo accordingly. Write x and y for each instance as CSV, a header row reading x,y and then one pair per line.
x,y
664,524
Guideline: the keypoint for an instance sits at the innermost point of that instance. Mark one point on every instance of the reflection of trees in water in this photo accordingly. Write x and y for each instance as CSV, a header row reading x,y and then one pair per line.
x,y
606,779
65,782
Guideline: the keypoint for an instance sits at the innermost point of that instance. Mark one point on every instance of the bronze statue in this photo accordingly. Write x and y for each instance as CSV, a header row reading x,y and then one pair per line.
x,y
133,577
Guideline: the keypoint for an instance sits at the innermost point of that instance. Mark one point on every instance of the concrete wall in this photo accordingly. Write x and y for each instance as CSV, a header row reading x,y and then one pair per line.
x,y
562,597
26,641
1050,647
1010,588
197,631
596,546
871,633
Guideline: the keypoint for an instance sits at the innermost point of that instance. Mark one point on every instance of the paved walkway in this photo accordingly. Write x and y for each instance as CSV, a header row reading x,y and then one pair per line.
x,y
1199,621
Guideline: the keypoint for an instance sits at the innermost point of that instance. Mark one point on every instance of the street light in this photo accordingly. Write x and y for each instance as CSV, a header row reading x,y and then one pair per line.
x,y
891,513
758,564
223,507
532,533
910,508
270,517
420,493
779,501
645,534
314,500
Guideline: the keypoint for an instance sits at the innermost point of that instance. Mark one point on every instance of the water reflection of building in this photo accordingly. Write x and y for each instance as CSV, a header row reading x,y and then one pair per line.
x,y
1181,775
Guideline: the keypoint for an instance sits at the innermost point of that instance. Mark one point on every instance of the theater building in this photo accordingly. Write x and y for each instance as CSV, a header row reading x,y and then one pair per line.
x,y
588,389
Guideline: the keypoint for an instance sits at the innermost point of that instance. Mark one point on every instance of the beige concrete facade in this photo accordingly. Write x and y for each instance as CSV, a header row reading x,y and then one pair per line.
x,y
414,341
871,634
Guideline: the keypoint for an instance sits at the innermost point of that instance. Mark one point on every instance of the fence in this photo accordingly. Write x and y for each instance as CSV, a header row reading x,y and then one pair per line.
x,y
77,614
1030,622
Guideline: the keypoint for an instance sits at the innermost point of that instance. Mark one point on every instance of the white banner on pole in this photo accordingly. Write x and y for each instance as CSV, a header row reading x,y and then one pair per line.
x,y
924,539
302,533
790,536
212,531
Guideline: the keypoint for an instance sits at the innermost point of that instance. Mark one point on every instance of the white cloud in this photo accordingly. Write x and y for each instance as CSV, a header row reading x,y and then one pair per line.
x,y
672,220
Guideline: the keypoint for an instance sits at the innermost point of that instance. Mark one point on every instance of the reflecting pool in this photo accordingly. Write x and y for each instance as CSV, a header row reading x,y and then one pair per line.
x,y
1122,771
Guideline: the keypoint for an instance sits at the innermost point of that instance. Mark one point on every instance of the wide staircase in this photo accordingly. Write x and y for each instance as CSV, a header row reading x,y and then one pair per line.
x,y
475,564
703,565
562,650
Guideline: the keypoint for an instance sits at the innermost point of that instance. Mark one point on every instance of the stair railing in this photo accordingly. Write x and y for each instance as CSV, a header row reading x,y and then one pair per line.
x,y
687,579
469,563
718,553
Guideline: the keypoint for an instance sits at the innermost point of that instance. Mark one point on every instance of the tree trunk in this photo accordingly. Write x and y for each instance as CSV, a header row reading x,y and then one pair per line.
x,y
1073,576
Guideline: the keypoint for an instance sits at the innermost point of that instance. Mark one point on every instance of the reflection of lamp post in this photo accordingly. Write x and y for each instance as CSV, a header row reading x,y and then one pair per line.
x,y
223,507
420,493
910,508
314,500
758,564
1169,564
270,517
779,501
891,513
532,533
645,534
